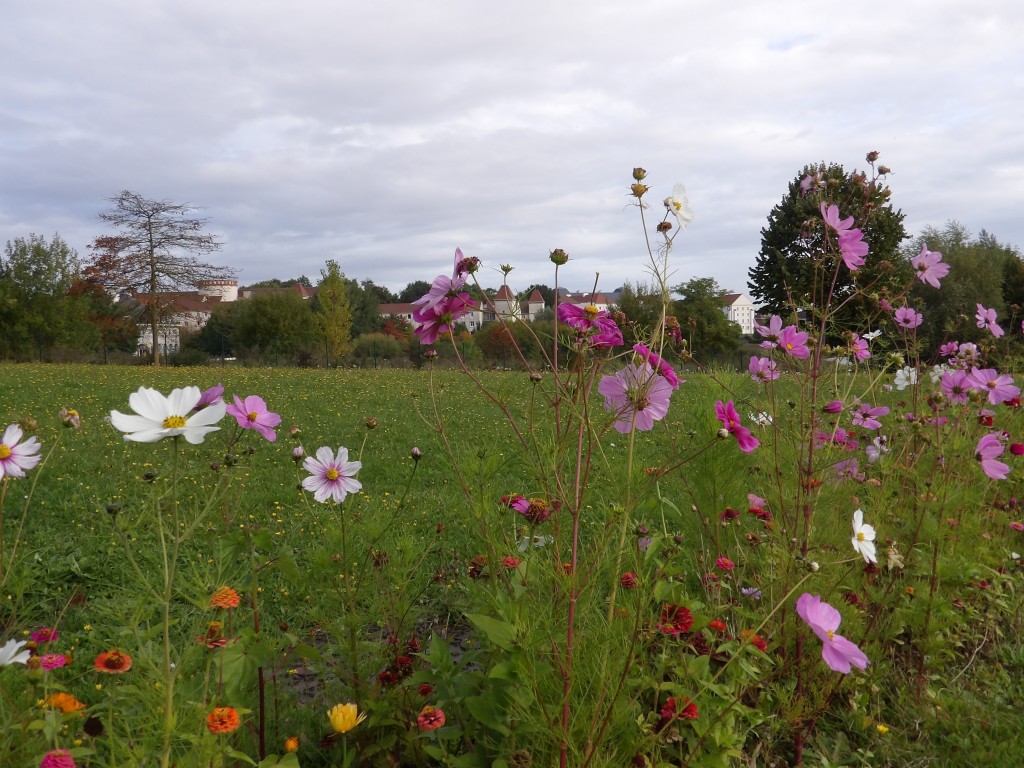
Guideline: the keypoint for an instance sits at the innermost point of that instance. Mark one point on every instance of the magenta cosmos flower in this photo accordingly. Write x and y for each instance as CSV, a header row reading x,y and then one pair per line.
x,y
929,266
331,477
906,317
956,386
987,319
637,395
989,449
998,387
830,213
770,332
839,653
794,342
859,348
853,249
763,369
15,459
439,318
591,323
726,413
658,364
252,413
210,396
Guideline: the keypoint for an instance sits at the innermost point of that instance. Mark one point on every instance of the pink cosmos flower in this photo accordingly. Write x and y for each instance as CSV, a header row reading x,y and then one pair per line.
x,y
838,653
331,477
444,287
833,406
16,460
830,213
988,450
859,348
440,317
949,349
1017,526
637,395
1000,387
726,413
812,181
794,342
252,413
589,322
906,317
866,416
210,396
930,267
853,249
987,319
658,364
956,386
763,369
770,332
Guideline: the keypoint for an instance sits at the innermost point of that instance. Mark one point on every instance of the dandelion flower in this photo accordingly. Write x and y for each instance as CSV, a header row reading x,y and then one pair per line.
x,y
345,717
157,416
331,477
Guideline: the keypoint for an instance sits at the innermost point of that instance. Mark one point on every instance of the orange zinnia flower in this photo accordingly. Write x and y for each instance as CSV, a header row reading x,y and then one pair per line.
x,y
225,597
113,662
291,744
222,720
65,702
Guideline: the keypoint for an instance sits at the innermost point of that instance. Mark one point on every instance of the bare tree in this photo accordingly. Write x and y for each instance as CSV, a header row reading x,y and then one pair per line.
x,y
153,253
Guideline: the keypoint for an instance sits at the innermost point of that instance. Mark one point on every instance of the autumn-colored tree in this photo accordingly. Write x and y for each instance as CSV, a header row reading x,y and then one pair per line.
x,y
153,253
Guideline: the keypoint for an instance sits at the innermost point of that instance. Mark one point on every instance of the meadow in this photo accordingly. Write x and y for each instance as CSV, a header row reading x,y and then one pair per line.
x,y
409,616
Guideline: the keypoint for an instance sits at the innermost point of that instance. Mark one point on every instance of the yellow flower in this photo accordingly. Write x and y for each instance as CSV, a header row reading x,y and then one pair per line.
x,y
345,717
882,729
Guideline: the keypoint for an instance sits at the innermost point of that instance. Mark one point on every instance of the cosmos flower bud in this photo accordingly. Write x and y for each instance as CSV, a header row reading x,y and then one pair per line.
x,y
664,226
723,434
639,190
416,454
559,257
371,423
872,156
639,174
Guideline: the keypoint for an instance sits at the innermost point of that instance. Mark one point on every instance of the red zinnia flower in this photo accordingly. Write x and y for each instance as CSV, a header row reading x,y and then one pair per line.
x,y
717,625
675,619
222,720
430,718
113,662
629,580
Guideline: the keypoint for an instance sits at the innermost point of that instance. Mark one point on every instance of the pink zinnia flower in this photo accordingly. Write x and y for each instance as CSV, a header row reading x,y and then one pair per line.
x,y
16,460
331,477
726,413
724,564
1017,526
50,661
45,635
794,342
989,449
638,397
987,319
430,718
770,332
1000,387
839,653
930,267
853,249
906,317
658,364
252,413
57,758
763,369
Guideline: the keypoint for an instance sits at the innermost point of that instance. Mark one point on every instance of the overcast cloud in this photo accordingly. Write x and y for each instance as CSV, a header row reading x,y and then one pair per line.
x,y
384,134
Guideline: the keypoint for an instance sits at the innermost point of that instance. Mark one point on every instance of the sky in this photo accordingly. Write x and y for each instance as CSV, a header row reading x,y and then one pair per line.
x,y
384,135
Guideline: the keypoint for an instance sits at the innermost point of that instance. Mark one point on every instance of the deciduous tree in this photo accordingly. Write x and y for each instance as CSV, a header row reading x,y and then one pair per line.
x,y
153,253
334,311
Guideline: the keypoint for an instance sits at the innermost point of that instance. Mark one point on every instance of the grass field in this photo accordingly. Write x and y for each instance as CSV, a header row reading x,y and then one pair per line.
x,y
335,595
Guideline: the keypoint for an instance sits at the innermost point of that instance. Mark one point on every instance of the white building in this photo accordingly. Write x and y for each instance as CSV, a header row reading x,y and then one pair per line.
x,y
740,310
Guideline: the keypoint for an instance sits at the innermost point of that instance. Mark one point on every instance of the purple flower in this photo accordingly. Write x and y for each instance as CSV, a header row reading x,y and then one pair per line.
x,y
771,332
16,460
252,413
867,417
591,323
930,267
830,213
839,653
331,477
214,394
987,319
908,318
949,349
444,287
834,406
1000,387
794,342
726,413
853,249
956,386
763,369
989,449
658,364
637,395
811,181
859,348
440,317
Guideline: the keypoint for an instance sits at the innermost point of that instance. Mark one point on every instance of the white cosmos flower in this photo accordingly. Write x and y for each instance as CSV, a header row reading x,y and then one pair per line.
x,y
157,417
679,206
863,538
872,335
11,653
905,377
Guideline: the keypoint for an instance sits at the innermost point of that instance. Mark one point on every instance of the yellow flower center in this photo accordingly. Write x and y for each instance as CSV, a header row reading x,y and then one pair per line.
x,y
72,412
174,422
860,536
677,204
591,311
788,345
252,415
831,634
332,474
5,452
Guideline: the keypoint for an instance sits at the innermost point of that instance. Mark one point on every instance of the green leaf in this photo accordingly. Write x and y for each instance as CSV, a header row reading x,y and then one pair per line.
x,y
499,632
